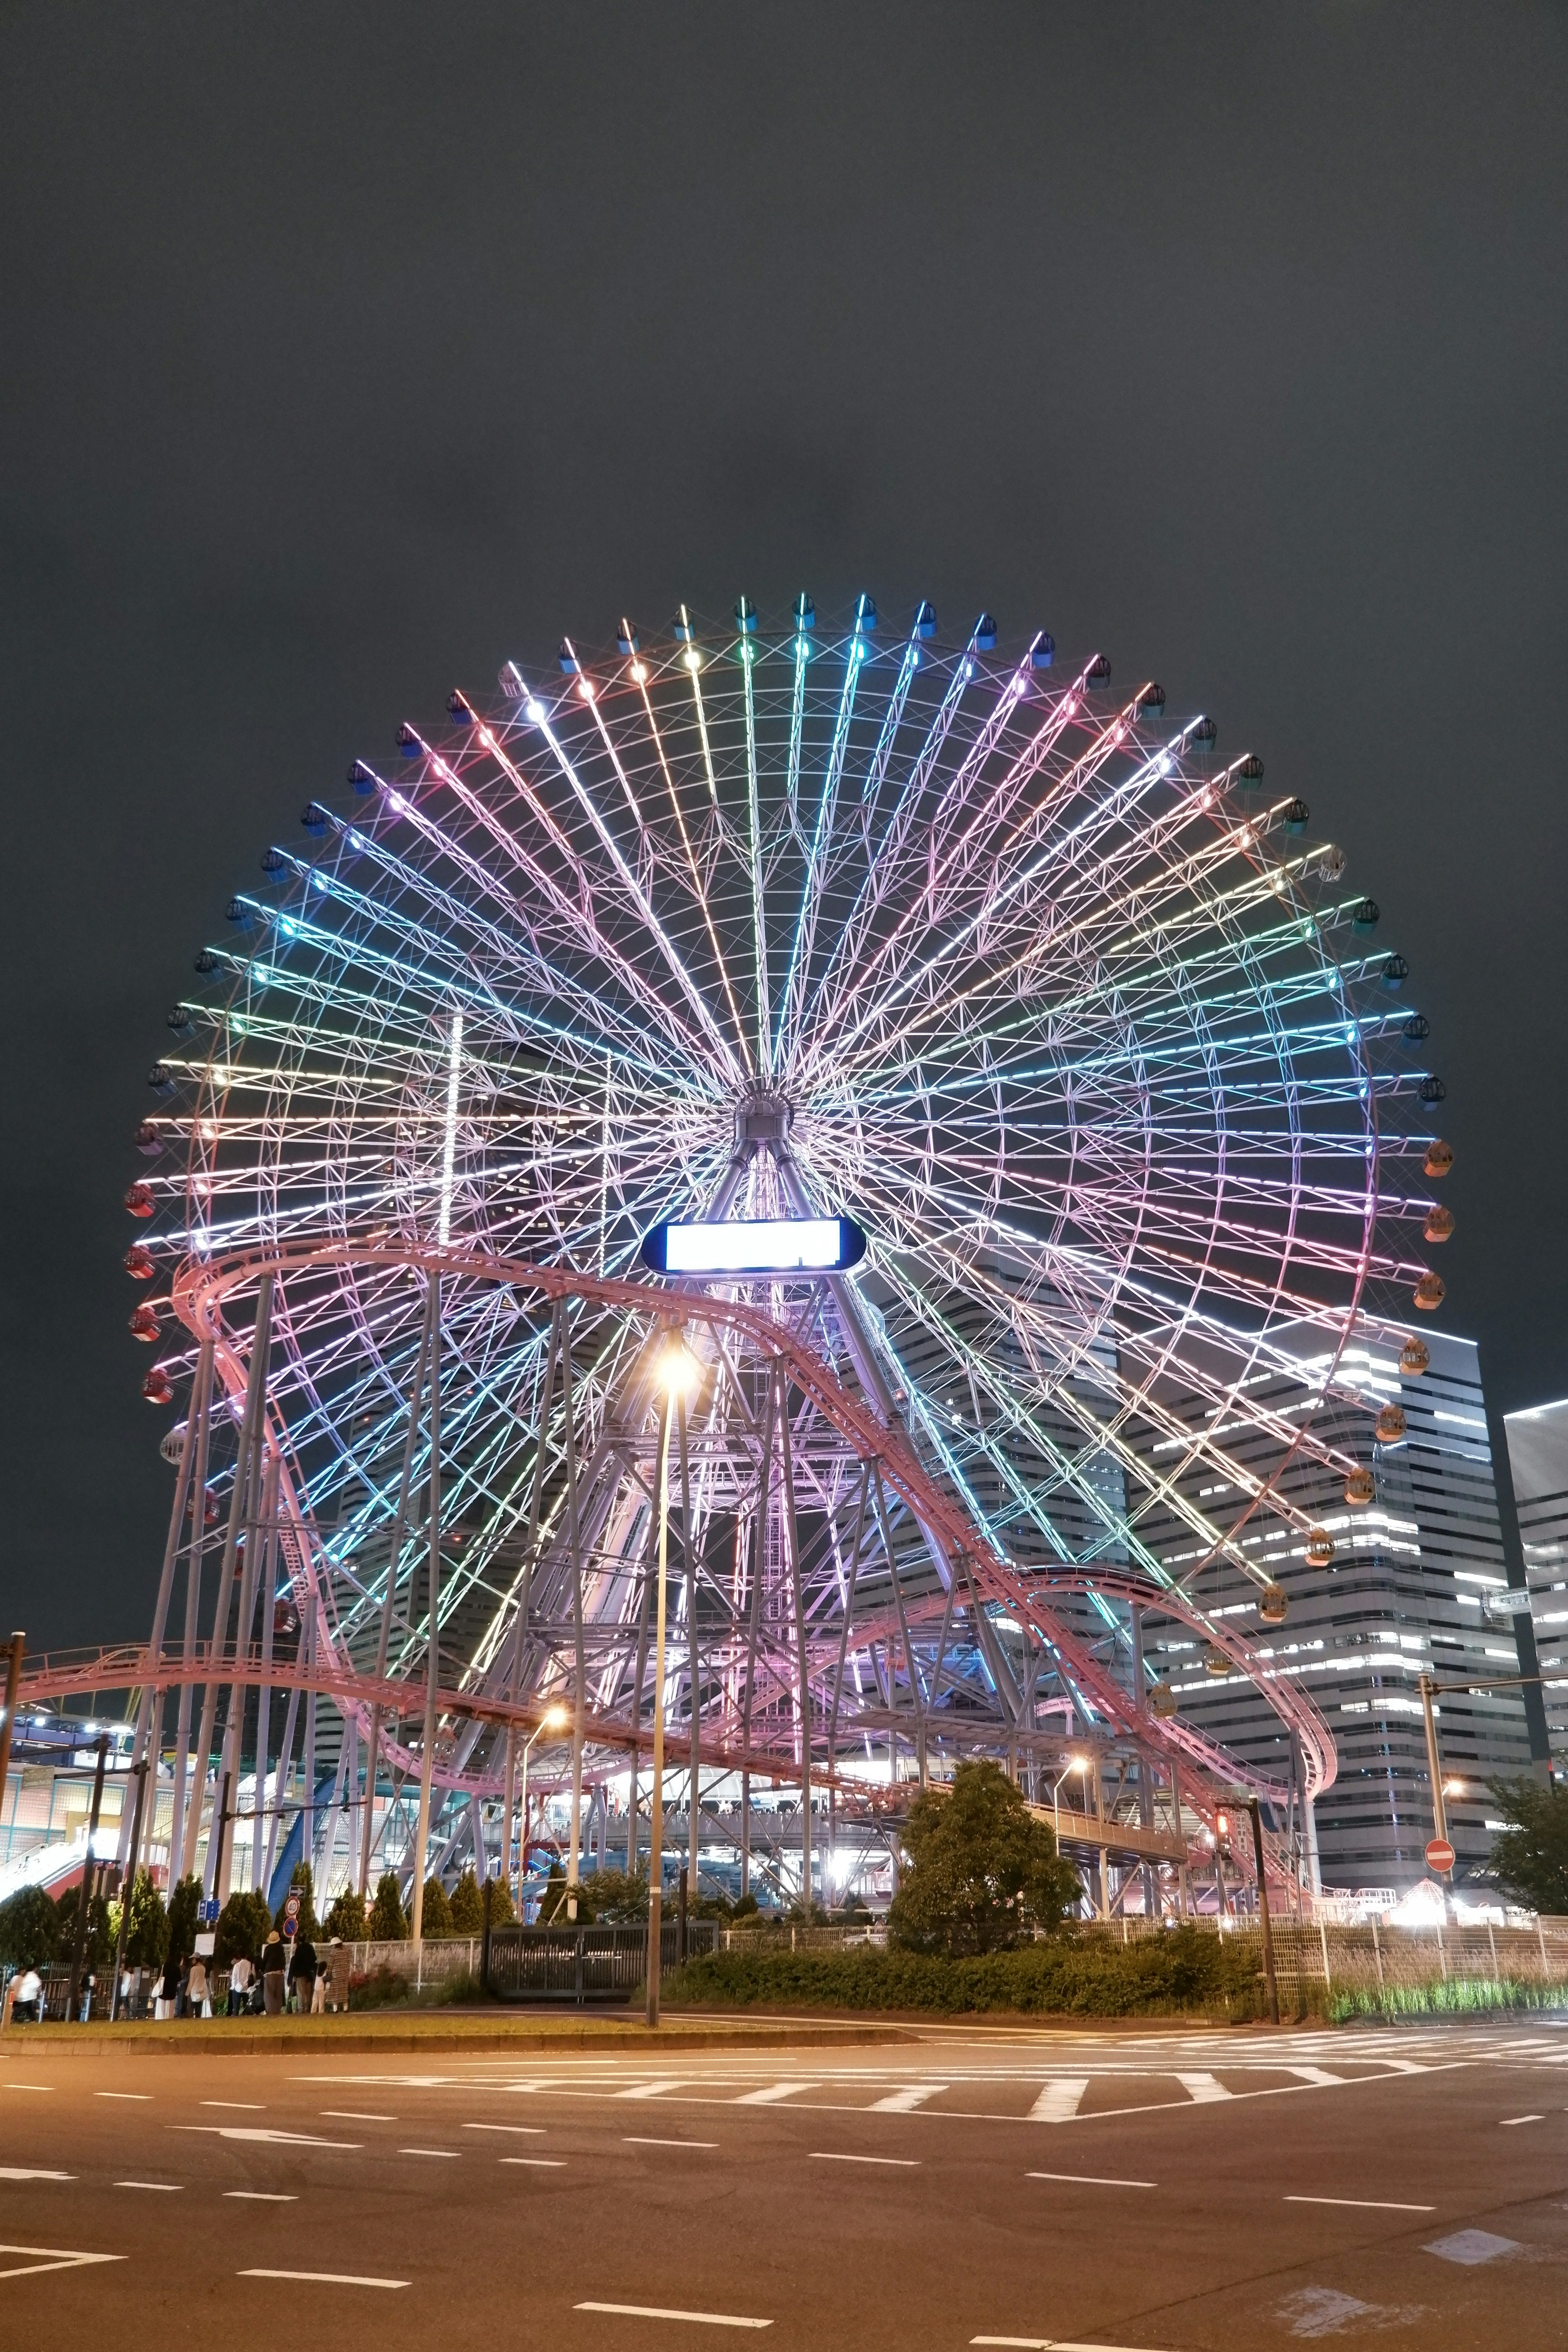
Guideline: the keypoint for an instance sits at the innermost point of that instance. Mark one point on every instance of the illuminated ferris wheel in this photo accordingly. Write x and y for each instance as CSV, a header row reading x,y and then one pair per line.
x,y
779,922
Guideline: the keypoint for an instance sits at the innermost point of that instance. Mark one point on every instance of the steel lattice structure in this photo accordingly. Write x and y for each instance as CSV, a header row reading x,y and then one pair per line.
x,y
1069,1015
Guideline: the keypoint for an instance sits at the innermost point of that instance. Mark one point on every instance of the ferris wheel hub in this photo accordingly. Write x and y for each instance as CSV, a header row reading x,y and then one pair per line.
x,y
762,1123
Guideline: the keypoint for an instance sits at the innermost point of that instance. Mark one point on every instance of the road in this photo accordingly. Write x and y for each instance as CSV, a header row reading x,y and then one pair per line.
x,y
1162,2191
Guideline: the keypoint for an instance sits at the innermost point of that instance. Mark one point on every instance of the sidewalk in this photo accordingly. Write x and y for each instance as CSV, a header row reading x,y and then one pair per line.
x,y
442,2030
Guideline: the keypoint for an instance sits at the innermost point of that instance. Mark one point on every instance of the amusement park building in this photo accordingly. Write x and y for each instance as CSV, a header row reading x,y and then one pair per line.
x,y
1538,1454
1408,1592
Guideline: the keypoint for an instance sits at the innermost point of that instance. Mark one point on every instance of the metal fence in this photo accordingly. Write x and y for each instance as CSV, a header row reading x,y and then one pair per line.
x,y
586,1963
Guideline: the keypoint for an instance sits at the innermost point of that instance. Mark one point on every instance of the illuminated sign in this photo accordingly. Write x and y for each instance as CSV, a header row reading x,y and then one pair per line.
x,y
757,1246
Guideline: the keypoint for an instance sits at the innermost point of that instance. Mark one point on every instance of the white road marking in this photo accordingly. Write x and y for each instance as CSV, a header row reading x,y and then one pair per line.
x,y
1098,2180
905,2101
633,2141
1059,2101
530,2131
238,2107
431,2151
652,2311
355,2116
122,2094
1314,2073
1051,2344
319,2278
49,2086
649,2090
166,2188
539,2163
837,2155
59,2258
1366,2204
260,2196
1202,2088
770,2095
1505,2121
273,2139
21,2172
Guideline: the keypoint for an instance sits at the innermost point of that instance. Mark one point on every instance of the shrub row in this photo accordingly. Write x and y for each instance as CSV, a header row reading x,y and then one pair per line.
x,y
1087,1975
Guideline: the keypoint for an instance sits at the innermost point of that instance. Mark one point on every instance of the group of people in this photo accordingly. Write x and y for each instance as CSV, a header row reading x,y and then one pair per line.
x,y
292,1976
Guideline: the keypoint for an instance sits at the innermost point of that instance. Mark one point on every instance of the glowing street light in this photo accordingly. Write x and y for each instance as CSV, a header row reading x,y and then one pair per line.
x,y
554,1718
1073,1764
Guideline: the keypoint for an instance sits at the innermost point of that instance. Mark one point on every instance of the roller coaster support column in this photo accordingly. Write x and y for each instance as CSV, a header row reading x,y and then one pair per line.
x,y
1270,1987
199,1426
693,1662
803,1700
581,1676
394,1563
655,1804
13,1679
432,1664
246,1462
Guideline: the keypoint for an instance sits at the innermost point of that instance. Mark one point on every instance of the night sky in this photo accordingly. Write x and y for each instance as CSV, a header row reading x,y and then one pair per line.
x,y
346,352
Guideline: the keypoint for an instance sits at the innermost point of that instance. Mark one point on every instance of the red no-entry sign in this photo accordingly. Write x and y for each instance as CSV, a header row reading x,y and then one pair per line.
x,y
1440,1857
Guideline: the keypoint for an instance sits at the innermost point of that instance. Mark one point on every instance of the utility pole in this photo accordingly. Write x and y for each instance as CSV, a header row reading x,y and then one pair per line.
x,y
88,1875
129,1881
12,1683
1270,1985
1435,1769
656,1805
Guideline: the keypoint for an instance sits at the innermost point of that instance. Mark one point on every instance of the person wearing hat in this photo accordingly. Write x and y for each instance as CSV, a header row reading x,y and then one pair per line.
x,y
274,1960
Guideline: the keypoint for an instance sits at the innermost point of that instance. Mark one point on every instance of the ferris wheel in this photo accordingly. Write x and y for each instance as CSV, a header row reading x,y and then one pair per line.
x,y
747,922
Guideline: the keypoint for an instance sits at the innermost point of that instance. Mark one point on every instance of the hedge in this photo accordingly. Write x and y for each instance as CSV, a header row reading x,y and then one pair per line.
x,y
1085,1975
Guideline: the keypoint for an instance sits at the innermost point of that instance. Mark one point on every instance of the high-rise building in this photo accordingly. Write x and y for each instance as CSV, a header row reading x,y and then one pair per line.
x,y
1538,1453
1414,1588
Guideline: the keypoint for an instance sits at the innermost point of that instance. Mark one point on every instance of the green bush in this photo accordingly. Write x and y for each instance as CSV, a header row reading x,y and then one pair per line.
x,y
147,1937
28,1926
182,1937
98,1946
388,1921
983,1870
467,1906
1083,1975
438,1919
346,1918
242,1927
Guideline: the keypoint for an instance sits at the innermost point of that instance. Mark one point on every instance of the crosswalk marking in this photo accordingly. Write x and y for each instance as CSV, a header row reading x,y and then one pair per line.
x,y
904,2101
1201,2088
651,2090
771,2096
1314,2073
1059,2101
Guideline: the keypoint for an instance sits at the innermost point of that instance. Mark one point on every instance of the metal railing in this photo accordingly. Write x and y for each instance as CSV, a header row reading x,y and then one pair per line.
x,y
586,1963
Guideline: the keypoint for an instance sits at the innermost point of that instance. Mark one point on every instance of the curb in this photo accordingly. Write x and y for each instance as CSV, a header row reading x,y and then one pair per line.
x,y
209,2044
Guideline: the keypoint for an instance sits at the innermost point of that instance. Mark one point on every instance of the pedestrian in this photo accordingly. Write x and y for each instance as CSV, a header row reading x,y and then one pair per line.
x,y
239,1982
197,2003
302,1976
274,1961
334,1977
168,1999
182,1993
27,2001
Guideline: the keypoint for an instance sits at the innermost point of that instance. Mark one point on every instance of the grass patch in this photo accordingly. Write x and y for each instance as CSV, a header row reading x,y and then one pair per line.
x,y
1448,1997
1083,1975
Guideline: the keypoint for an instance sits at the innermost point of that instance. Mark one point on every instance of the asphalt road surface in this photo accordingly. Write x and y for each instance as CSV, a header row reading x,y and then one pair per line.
x,y
1156,2193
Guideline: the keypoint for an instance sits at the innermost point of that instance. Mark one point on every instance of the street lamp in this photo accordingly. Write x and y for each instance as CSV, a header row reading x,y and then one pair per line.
x,y
552,1719
680,1374
1073,1764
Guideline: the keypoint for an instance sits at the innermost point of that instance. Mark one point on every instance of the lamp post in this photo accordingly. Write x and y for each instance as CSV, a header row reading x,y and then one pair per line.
x,y
550,1720
1073,1764
678,1372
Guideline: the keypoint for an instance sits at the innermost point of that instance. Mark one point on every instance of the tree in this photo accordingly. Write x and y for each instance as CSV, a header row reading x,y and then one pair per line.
x,y
467,1906
502,1912
242,1927
1530,1858
982,1871
182,1938
29,1925
346,1918
388,1922
147,1936
552,1909
614,1897
438,1919
302,1884
98,1946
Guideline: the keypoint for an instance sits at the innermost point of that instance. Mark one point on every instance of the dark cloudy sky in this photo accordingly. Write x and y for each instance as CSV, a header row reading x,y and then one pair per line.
x,y
347,350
